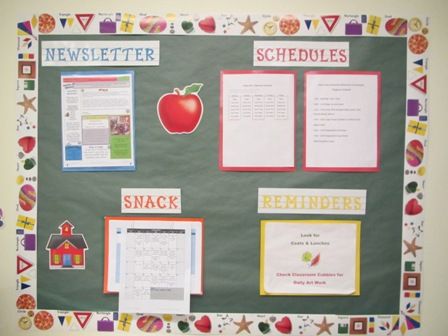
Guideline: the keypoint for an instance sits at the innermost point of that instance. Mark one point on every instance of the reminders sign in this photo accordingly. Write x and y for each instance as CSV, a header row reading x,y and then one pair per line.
x,y
301,54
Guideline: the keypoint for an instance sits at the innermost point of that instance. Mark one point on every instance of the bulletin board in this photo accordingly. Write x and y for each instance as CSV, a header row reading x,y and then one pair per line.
x,y
192,52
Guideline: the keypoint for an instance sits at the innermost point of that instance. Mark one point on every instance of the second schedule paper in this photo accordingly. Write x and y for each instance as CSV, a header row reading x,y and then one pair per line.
x,y
342,114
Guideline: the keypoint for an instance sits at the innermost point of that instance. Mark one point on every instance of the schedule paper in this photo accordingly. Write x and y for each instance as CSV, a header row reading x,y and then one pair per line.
x,y
257,121
342,118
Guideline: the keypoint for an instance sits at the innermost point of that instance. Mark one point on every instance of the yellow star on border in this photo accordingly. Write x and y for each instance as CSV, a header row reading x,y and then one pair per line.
x,y
27,103
248,25
324,326
243,325
411,247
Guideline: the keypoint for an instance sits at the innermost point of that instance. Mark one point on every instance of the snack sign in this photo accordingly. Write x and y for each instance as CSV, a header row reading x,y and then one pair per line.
x,y
150,200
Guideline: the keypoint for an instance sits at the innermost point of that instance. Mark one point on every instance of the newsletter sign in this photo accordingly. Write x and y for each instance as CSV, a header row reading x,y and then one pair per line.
x,y
100,53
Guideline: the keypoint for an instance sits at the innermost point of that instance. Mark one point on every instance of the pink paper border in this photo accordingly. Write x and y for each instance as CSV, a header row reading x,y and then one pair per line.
x,y
378,147
221,143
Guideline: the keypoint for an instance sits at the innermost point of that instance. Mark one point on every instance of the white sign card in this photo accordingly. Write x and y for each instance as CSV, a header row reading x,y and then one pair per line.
x,y
155,267
97,110
100,53
257,128
150,200
301,54
312,201
342,121
115,228
310,257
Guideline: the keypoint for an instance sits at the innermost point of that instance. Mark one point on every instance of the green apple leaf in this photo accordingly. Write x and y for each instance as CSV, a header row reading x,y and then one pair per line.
x,y
193,88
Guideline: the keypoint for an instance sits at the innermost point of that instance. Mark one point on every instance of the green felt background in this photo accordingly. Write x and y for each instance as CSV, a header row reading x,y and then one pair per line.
x,y
227,200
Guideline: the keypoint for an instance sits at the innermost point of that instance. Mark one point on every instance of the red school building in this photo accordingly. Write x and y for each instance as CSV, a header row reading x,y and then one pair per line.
x,y
67,250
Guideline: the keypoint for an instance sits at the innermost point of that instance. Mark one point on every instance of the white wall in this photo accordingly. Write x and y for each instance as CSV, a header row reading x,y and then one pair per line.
x,y
436,227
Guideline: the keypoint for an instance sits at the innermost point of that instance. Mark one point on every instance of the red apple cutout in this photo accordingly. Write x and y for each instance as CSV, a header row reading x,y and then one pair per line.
x,y
180,112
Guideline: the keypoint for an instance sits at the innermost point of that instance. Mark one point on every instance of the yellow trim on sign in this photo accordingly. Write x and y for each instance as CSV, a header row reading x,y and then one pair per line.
x,y
262,241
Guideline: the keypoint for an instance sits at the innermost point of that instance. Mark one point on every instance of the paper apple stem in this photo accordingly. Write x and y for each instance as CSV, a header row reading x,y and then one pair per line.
x,y
193,88
189,89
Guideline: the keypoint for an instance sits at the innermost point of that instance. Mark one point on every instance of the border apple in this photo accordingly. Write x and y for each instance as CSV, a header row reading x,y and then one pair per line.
x,y
180,111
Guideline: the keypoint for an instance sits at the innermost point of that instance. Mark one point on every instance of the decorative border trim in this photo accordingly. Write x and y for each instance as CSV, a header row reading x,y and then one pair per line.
x,y
415,30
